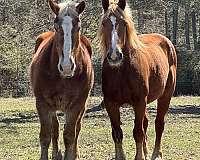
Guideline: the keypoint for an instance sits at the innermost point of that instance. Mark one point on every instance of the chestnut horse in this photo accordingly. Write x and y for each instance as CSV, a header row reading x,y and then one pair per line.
x,y
136,70
62,77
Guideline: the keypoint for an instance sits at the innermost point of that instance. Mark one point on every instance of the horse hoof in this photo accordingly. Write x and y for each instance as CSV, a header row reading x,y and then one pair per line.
x,y
157,158
120,158
58,156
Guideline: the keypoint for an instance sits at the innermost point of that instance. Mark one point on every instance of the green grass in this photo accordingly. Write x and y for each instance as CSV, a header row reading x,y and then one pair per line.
x,y
19,128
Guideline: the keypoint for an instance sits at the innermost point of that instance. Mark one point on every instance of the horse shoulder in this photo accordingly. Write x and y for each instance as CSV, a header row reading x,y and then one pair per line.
x,y
87,43
41,38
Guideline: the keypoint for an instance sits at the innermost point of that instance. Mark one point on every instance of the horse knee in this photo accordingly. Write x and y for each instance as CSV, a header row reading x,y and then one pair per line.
x,y
138,134
45,138
117,135
159,124
69,134
55,129
145,123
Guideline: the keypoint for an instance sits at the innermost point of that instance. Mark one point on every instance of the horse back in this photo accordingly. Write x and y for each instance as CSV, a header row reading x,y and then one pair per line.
x,y
160,41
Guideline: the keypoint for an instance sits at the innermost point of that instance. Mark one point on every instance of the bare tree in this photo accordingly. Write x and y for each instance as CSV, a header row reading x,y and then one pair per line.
x,y
167,25
187,28
194,28
175,23
140,20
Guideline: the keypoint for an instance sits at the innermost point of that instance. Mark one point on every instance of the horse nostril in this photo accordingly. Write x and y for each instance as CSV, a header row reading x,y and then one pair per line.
x,y
61,68
72,64
72,67
120,55
109,57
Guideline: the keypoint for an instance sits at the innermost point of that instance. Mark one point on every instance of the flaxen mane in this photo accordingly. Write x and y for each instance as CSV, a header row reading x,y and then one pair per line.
x,y
131,31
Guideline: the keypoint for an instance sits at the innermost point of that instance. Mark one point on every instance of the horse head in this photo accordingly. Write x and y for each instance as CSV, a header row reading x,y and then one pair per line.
x,y
67,34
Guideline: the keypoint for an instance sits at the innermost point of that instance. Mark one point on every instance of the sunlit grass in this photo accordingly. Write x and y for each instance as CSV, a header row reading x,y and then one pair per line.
x,y
19,128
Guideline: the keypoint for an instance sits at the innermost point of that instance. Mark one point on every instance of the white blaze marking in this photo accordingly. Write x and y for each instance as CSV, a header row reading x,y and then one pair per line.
x,y
67,47
114,34
59,63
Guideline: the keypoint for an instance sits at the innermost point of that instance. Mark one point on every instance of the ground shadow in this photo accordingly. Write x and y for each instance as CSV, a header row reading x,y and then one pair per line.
x,y
18,118
97,111
94,109
180,109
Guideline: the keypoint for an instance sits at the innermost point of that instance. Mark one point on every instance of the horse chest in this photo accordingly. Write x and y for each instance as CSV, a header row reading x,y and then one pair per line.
x,y
117,88
61,96
60,101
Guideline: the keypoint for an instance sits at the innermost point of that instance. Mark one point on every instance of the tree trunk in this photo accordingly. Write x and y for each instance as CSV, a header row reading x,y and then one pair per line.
x,y
167,25
194,29
175,23
187,28
198,44
140,21
4,16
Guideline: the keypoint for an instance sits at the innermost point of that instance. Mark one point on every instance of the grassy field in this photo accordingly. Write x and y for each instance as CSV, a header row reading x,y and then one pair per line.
x,y
19,130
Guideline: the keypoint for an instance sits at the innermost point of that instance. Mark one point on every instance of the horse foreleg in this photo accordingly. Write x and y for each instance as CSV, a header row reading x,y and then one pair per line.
x,y
145,144
117,134
71,131
78,128
138,131
56,154
45,117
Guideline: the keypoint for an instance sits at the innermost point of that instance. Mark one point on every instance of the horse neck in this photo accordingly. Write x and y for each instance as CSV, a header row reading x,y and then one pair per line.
x,y
53,59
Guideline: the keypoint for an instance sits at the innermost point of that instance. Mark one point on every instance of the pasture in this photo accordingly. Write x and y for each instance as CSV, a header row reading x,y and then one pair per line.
x,y
19,128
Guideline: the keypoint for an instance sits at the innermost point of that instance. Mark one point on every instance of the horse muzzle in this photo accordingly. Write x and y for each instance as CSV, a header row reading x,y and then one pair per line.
x,y
67,71
115,58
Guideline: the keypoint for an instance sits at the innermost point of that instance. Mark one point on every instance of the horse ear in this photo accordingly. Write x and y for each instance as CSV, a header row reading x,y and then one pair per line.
x,y
80,7
105,4
54,6
122,4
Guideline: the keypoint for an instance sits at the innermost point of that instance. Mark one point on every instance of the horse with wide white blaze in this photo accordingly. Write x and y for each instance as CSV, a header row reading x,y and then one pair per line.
x,y
136,70
62,77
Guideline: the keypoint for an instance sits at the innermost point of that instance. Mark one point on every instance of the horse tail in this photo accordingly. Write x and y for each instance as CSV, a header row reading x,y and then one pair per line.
x,y
172,54
87,43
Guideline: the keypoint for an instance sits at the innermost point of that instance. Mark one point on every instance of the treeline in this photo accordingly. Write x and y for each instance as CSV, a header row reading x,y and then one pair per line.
x,y
23,20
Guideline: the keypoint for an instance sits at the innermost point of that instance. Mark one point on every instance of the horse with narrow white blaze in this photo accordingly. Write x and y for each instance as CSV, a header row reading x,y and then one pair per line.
x,y
62,77
136,70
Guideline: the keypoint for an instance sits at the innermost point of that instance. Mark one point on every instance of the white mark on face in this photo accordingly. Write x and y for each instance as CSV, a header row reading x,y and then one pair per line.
x,y
67,47
114,34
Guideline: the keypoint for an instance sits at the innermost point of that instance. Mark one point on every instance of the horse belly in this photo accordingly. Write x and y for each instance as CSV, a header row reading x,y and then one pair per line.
x,y
157,84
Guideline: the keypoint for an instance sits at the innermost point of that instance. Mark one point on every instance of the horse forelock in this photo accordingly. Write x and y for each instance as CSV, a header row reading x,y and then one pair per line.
x,y
127,16
68,8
